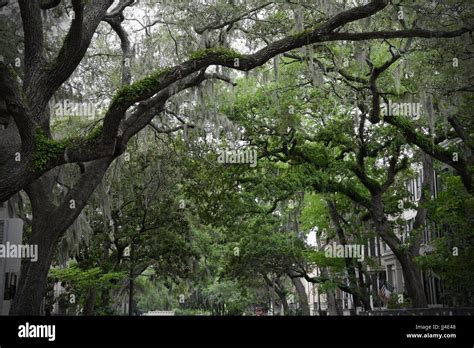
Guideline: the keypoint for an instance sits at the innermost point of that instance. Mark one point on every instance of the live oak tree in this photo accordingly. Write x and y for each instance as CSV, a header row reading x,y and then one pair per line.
x,y
258,213
30,153
347,155
134,224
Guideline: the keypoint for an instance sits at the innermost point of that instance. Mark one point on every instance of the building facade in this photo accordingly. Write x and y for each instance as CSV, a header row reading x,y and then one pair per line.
x,y
11,233
386,269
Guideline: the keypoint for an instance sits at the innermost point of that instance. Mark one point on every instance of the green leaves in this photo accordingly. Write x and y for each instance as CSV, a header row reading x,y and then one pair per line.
x,y
451,217
79,281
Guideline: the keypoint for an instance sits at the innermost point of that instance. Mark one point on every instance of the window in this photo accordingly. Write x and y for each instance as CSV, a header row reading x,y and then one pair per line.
x,y
10,286
426,234
418,186
2,231
371,247
406,230
3,210
414,188
390,273
437,184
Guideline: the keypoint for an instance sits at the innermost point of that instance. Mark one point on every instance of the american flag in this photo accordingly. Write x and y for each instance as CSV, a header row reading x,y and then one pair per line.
x,y
385,290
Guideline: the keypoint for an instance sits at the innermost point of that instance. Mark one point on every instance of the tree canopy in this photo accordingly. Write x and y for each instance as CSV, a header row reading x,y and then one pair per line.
x,y
200,155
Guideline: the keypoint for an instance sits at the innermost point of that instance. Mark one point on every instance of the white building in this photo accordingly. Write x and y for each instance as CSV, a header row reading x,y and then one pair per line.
x,y
11,231
393,269
387,268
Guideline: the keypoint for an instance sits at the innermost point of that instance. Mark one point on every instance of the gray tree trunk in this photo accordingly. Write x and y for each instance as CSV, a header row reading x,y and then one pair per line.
x,y
411,272
89,305
302,296
48,225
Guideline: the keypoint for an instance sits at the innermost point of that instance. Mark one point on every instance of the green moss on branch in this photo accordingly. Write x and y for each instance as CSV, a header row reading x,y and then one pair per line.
x,y
95,134
221,52
307,31
413,136
137,89
47,149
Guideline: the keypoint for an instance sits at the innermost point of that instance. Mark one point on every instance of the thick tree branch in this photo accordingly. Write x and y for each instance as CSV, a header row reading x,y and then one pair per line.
x,y
74,48
15,106
115,23
51,77
345,189
48,4
461,131
427,145
79,194
144,89
394,168
426,192
118,10
34,40
149,109
216,56
398,34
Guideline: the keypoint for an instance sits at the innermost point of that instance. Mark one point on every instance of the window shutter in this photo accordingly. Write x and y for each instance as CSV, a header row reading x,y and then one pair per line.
x,y
2,231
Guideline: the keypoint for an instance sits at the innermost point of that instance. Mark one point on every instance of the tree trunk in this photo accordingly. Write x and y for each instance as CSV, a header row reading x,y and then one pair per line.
x,y
363,286
356,287
411,273
90,302
105,300
282,295
45,235
302,296
34,275
284,302
131,283
332,307
274,286
414,286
